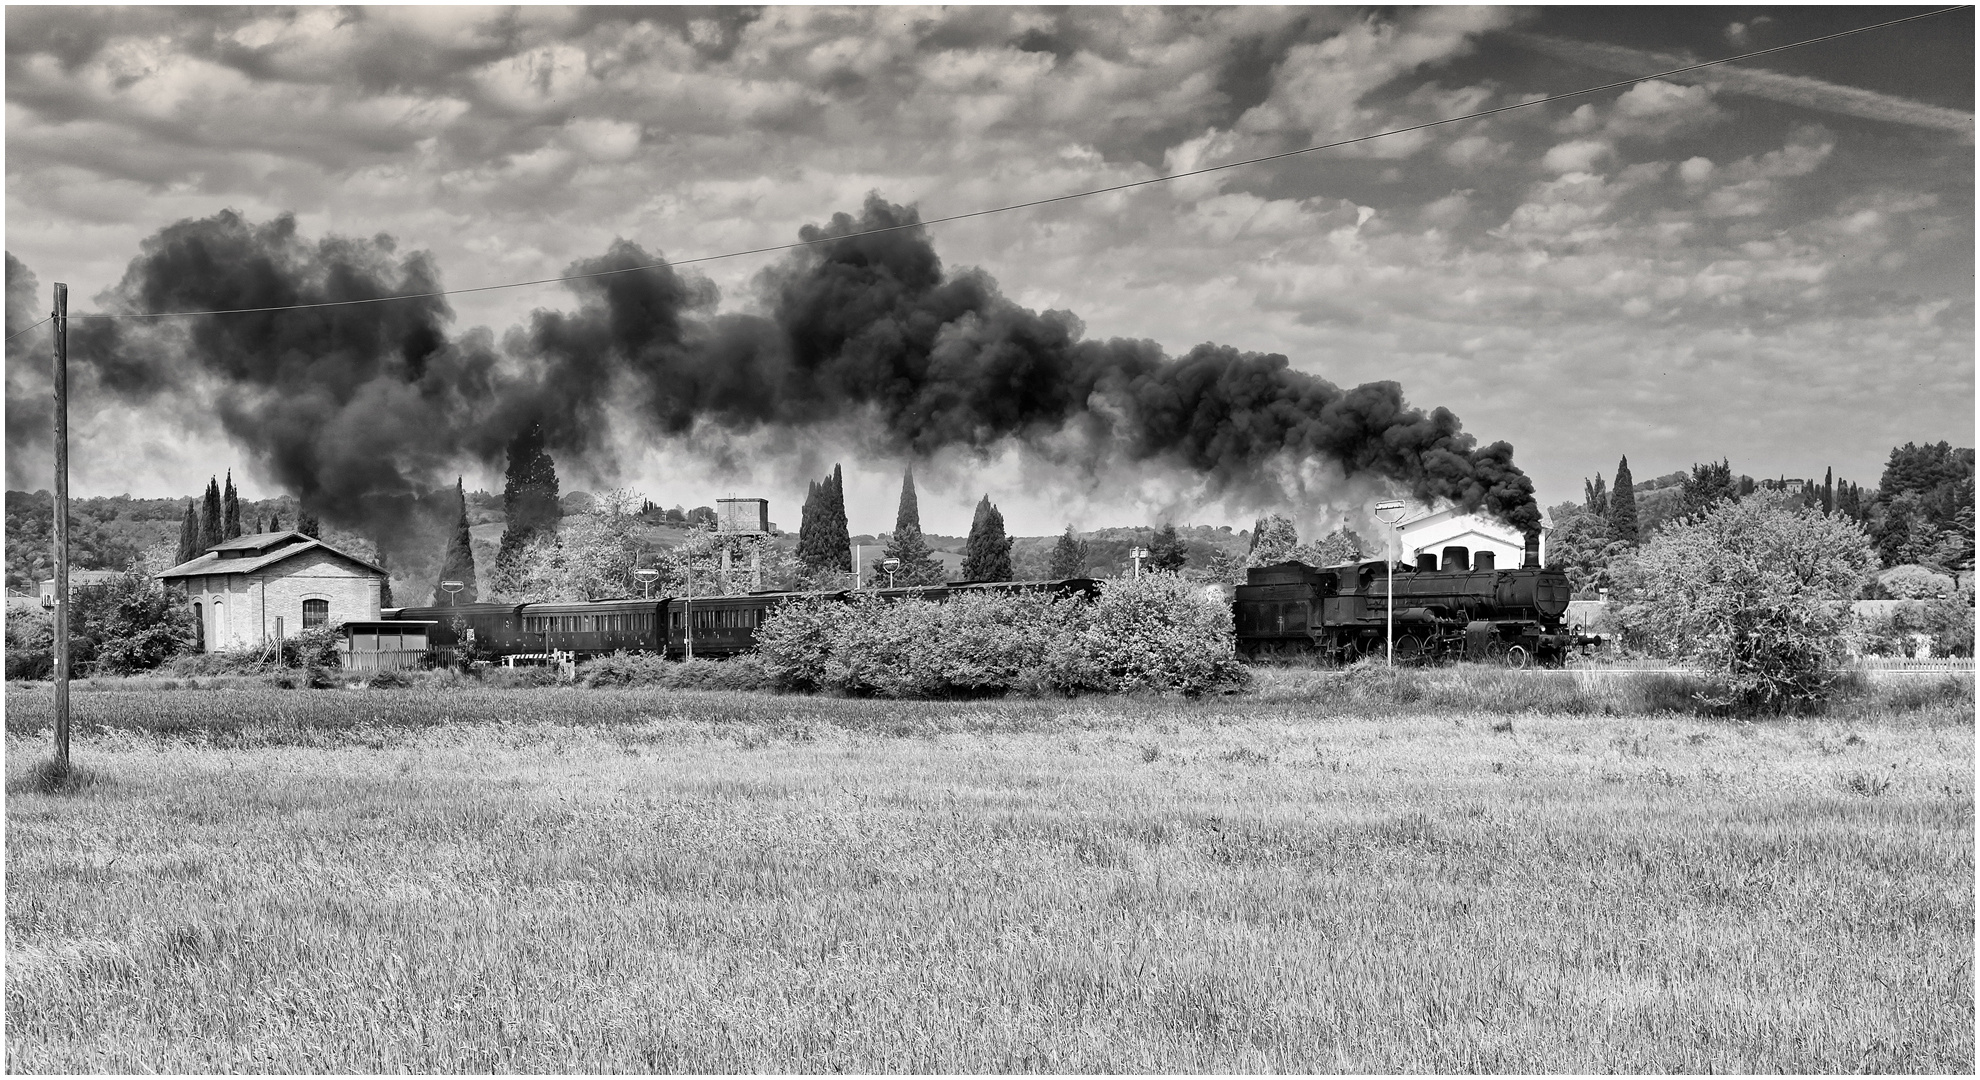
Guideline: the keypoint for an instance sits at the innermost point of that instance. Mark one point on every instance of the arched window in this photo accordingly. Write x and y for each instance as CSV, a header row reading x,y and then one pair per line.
x,y
315,613
199,625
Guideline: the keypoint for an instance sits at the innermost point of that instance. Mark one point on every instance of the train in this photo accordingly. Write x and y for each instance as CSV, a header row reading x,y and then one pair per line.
x,y
710,627
1458,607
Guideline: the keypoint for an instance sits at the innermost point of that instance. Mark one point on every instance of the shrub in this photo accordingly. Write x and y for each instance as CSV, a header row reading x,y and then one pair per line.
x,y
30,645
622,669
1754,592
311,648
1914,582
1160,633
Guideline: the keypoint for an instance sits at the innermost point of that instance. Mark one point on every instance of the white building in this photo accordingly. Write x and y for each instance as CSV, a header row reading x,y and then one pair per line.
x,y
253,590
1433,531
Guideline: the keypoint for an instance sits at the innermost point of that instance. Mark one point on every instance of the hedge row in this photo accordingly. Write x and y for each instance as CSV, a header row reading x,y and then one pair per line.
x,y
1158,634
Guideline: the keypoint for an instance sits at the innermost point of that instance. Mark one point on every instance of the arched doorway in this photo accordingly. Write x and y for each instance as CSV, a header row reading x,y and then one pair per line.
x,y
199,626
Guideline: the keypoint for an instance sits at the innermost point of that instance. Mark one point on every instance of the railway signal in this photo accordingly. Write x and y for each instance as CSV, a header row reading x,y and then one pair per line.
x,y
647,576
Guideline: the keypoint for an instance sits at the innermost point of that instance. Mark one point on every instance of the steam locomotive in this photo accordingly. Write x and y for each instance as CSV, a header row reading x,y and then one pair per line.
x,y
1465,608
679,626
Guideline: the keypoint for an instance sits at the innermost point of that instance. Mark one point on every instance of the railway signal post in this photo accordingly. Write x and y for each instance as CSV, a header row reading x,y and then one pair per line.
x,y
1389,513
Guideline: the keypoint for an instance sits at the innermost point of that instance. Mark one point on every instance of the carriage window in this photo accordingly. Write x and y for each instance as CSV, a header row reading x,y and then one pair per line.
x,y
315,613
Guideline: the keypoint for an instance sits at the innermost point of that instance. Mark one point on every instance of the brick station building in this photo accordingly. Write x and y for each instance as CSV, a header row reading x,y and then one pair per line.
x,y
251,590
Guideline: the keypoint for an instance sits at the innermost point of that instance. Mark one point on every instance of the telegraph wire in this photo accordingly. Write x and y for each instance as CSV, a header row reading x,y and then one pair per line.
x,y
1027,204
16,334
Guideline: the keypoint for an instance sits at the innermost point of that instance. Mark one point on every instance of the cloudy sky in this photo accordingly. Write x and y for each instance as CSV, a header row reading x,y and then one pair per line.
x,y
1771,263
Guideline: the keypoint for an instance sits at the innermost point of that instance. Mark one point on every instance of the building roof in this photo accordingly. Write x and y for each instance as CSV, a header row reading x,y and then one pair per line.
x,y
81,578
246,554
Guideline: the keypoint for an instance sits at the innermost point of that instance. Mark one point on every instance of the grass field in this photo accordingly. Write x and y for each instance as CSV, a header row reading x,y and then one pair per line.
x,y
565,880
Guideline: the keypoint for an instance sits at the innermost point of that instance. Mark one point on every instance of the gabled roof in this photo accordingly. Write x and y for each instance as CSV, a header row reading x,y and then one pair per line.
x,y
257,551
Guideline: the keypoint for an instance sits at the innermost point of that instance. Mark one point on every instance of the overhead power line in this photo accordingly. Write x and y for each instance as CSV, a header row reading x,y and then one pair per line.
x,y
1126,186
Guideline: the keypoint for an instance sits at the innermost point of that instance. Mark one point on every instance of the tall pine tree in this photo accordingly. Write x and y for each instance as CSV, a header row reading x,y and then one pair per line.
x,y
230,510
210,516
918,564
189,548
1069,556
988,557
529,496
458,563
1622,504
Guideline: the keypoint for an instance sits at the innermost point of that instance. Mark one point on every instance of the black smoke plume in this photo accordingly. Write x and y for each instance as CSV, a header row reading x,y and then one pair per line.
x,y
363,410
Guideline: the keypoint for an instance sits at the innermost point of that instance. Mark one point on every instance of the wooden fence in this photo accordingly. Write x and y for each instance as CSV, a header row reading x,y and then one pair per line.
x,y
387,660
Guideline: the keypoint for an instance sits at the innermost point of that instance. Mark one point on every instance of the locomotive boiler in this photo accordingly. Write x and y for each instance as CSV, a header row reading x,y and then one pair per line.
x,y
1454,608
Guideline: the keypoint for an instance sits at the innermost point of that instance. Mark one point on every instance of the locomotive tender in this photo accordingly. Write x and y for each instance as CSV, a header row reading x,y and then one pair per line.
x,y
1464,609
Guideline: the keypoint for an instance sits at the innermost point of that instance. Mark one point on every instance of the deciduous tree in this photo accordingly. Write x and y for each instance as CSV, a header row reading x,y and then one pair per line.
x,y
1755,591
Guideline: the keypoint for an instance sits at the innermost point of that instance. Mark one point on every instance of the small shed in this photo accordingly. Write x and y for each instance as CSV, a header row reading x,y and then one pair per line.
x,y
386,644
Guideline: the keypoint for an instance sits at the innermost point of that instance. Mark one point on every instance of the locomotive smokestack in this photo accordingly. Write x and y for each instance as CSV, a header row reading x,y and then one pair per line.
x,y
1532,559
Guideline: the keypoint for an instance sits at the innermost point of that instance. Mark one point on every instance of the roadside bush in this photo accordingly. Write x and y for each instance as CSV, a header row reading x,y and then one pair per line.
x,y
30,645
622,669
1160,634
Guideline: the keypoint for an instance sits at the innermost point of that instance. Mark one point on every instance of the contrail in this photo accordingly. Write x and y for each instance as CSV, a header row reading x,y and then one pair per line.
x,y
1771,85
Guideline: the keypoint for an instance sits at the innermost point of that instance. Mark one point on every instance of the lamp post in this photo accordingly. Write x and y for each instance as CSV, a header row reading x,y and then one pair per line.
x,y
647,576
1137,554
890,566
452,589
1388,513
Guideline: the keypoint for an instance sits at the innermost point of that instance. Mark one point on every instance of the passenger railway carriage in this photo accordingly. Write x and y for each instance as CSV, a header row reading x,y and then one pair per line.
x,y
702,626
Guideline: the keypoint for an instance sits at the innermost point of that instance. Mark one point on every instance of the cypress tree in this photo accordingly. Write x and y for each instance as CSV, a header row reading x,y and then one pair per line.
x,y
458,563
230,510
1829,490
988,557
189,548
209,516
385,586
529,495
1167,552
1069,556
1622,504
307,525
808,551
836,534
274,523
918,564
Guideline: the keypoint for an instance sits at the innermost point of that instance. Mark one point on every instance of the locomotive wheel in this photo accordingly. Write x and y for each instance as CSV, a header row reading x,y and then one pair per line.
x,y
1495,651
1409,649
1519,656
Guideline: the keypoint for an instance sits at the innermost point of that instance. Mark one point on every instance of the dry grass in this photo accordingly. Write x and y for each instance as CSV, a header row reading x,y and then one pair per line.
x,y
570,880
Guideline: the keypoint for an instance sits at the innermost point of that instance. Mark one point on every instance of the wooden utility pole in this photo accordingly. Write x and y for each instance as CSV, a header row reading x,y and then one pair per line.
x,y
60,317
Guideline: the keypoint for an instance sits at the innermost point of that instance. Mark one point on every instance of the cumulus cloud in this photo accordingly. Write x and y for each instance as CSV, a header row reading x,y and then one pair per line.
x,y
1568,252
